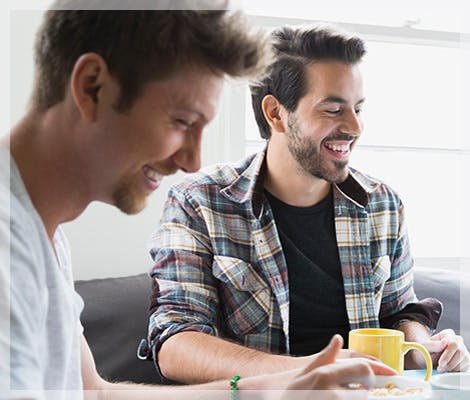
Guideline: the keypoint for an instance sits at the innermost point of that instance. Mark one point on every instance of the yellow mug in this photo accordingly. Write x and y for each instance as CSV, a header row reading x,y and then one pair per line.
x,y
388,345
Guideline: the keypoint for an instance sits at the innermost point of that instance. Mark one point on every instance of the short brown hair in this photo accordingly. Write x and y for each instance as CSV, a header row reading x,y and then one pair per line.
x,y
295,49
142,45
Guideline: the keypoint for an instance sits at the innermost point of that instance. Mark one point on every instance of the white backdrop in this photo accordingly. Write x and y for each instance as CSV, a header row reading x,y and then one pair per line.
x,y
104,241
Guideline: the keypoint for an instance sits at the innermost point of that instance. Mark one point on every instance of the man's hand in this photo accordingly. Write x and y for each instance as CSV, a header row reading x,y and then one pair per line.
x,y
346,353
333,378
448,352
343,354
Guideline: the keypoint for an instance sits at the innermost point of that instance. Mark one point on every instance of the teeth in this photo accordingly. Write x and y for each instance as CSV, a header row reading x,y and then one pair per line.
x,y
342,148
152,174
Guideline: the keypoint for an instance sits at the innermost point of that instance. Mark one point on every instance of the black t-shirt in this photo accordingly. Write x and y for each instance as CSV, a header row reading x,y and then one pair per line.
x,y
317,304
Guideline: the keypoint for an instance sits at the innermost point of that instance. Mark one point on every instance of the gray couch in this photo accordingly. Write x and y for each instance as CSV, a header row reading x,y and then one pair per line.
x,y
116,312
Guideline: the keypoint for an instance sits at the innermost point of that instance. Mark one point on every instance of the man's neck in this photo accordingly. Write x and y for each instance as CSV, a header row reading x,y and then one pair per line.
x,y
49,170
286,181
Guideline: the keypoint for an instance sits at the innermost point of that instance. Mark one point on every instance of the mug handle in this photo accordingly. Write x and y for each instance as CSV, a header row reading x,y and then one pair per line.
x,y
407,346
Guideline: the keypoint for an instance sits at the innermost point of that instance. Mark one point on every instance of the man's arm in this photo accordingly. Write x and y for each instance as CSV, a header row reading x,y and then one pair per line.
x,y
20,311
323,373
448,351
418,318
185,319
195,357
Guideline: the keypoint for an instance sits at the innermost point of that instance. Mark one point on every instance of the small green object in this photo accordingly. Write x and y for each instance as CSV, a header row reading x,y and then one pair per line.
x,y
234,387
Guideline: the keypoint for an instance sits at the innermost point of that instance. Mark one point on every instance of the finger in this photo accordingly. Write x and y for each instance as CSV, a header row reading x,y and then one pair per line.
x,y
460,360
446,357
436,346
357,371
455,362
329,354
465,367
380,368
344,353
340,376
377,366
446,333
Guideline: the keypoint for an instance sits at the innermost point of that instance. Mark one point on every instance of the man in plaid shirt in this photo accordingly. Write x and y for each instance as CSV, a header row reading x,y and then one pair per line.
x,y
259,263
116,107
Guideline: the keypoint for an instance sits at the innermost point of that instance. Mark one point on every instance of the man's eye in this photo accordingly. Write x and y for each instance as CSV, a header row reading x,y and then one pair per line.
x,y
183,123
358,111
333,112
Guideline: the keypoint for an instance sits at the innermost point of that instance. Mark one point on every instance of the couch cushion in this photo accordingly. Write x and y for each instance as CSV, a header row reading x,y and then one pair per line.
x,y
449,287
115,318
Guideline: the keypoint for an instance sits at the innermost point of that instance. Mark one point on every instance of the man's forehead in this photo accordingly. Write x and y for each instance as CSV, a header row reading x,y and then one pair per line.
x,y
338,100
329,79
188,92
332,70
202,107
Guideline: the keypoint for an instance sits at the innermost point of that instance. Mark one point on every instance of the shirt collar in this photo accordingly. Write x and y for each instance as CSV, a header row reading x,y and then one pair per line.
x,y
357,187
248,186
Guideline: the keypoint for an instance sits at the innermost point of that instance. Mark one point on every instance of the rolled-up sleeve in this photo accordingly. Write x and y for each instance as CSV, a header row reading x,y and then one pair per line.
x,y
184,295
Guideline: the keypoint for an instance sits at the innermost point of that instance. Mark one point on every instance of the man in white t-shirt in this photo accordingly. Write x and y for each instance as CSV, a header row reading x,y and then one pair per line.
x,y
120,101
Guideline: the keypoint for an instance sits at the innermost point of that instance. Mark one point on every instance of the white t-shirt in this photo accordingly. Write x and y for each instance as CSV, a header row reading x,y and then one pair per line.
x,y
40,310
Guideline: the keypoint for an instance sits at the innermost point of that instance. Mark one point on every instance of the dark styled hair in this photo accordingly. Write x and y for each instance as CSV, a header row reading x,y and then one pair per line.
x,y
139,46
294,50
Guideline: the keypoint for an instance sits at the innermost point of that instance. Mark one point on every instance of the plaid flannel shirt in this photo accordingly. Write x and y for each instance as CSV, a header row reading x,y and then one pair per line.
x,y
220,269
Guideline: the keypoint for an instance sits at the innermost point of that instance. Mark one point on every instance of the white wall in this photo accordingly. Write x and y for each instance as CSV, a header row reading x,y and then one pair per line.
x,y
104,241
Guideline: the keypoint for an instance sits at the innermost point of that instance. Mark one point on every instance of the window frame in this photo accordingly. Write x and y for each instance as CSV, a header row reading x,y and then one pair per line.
x,y
371,33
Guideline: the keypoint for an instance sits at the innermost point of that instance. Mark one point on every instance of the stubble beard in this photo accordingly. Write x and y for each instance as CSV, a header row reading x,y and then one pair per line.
x,y
306,152
126,199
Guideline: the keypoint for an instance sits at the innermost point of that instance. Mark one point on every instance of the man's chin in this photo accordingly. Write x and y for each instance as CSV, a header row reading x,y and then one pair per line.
x,y
341,173
341,178
130,205
135,209
335,177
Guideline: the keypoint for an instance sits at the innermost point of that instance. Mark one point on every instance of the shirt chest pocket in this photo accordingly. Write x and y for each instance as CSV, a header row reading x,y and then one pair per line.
x,y
381,272
245,299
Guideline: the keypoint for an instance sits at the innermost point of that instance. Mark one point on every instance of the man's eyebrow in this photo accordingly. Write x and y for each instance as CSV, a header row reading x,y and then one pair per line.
x,y
339,100
194,111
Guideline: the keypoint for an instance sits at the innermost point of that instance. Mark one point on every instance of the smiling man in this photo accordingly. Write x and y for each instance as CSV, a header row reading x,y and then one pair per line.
x,y
262,261
121,99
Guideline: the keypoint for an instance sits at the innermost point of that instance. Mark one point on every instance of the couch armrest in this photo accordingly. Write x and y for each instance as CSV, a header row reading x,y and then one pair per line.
x,y
449,287
114,319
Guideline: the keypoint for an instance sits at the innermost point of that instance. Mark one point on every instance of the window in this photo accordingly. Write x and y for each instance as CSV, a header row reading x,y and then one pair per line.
x,y
416,135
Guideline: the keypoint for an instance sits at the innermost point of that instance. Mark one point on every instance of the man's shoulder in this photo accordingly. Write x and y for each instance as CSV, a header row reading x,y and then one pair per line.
x,y
13,212
4,174
12,209
213,178
17,225
19,239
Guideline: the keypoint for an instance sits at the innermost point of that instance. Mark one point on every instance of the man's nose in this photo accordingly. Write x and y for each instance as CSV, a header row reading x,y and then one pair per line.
x,y
352,123
188,157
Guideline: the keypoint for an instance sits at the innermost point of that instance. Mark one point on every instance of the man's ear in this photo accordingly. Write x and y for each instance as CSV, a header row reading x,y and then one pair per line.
x,y
273,112
86,83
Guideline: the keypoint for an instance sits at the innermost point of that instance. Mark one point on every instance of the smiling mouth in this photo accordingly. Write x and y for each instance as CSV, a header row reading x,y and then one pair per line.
x,y
339,147
152,174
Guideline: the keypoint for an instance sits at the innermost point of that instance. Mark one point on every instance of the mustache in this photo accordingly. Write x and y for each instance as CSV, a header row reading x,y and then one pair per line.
x,y
165,169
169,171
340,136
